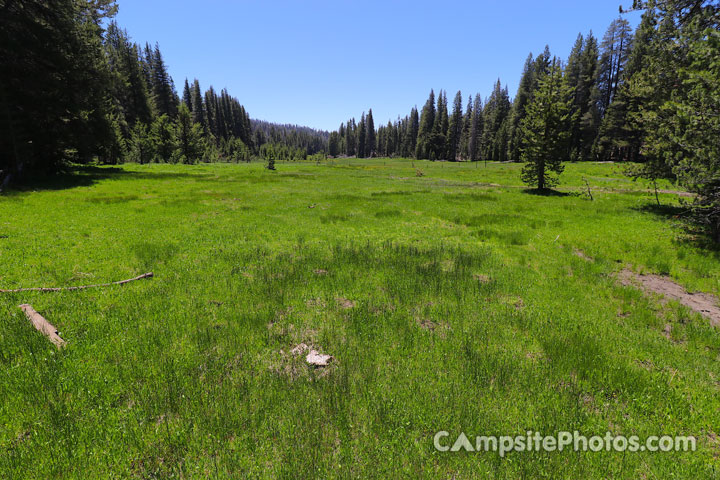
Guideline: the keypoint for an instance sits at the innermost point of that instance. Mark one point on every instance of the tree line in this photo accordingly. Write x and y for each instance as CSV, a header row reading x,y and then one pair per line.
x,y
75,88
649,96
490,129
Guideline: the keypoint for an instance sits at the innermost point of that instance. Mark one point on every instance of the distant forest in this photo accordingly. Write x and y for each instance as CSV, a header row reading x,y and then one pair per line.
x,y
611,90
75,88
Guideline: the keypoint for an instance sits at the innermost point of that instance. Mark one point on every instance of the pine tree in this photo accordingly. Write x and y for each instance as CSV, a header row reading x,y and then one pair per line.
x,y
497,108
476,132
425,129
679,89
141,146
545,129
187,96
334,144
413,129
370,141
53,85
581,77
524,94
620,133
586,99
542,65
189,135
162,87
128,87
211,112
615,48
437,141
362,138
198,108
164,139
574,77
466,131
455,128
351,141
390,139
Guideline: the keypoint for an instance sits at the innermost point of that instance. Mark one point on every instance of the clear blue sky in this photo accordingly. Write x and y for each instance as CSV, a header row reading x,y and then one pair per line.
x,y
318,63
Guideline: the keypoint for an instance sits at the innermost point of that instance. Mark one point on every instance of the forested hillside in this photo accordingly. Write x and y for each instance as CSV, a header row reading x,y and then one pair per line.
x,y
75,88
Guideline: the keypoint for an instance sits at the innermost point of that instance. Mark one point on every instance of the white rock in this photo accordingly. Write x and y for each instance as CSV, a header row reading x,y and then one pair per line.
x,y
317,359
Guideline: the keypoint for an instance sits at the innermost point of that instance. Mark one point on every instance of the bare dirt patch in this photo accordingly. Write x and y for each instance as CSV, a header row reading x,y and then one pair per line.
x,y
345,303
315,303
667,331
427,324
481,278
703,303
579,253
439,328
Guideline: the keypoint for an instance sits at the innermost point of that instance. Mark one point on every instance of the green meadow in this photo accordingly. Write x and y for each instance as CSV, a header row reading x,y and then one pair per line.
x,y
449,296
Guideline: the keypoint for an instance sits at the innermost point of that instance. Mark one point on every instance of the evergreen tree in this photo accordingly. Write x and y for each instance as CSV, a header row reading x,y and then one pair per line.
x,y
198,108
581,77
187,96
679,91
615,48
189,136
164,139
425,128
334,144
212,112
476,132
524,94
455,128
466,131
127,86
141,146
351,141
620,132
162,87
542,65
413,130
437,141
495,134
370,141
362,138
545,129
53,84
574,77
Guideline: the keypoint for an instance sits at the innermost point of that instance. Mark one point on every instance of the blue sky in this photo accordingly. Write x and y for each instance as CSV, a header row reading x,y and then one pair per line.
x,y
318,62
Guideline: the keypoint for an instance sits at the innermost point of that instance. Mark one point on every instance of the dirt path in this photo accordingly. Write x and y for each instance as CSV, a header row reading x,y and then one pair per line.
x,y
703,303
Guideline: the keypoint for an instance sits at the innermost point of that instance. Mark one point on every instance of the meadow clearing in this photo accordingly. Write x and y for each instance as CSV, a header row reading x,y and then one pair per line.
x,y
455,300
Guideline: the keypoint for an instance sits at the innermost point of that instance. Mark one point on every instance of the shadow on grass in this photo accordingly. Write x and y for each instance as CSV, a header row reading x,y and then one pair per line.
x,y
665,211
74,176
545,192
694,235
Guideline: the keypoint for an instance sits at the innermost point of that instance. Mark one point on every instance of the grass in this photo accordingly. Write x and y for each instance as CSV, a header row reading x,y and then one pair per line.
x,y
453,301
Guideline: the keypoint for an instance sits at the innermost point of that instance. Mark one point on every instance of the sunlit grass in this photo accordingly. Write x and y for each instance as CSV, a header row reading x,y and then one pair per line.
x,y
452,301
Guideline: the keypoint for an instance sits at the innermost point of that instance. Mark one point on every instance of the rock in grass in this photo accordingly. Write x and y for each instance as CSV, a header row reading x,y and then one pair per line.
x,y
318,359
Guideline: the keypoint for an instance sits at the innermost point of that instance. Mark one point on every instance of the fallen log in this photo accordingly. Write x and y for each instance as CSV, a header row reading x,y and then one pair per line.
x,y
81,287
42,325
